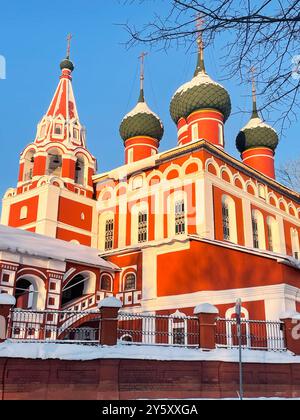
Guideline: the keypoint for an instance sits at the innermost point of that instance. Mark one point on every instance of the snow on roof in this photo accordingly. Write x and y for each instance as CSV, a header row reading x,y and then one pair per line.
x,y
122,351
23,242
6,299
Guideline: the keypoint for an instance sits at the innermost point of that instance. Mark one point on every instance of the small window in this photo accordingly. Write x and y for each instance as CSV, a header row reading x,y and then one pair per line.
x,y
51,301
76,133
24,213
58,128
130,282
195,132
109,234
82,216
52,286
5,278
143,227
106,283
180,218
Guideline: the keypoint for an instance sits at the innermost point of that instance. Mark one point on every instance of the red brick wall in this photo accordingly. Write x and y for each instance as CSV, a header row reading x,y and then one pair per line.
x,y
131,379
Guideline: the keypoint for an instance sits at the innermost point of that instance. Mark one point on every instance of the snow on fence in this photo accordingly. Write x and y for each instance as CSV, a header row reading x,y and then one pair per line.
x,y
256,335
164,330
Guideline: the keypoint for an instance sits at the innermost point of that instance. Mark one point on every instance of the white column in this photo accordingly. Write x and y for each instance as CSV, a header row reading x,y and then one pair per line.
x,y
248,229
47,216
122,222
282,244
205,207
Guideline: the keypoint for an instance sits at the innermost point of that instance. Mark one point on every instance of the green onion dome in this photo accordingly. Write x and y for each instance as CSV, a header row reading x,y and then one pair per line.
x,y
67,64
141,121
200,93
257,134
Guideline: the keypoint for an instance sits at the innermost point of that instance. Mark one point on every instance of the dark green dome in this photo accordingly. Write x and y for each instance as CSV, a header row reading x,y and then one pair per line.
x,y
141,121
200,93
257,134
67,64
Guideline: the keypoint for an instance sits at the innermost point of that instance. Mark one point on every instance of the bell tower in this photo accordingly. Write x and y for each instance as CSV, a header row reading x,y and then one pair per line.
x,y
54,194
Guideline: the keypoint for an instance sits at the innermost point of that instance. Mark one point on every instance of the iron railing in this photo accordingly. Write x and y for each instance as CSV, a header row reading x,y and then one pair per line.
x,y
256,335
164,330
54,326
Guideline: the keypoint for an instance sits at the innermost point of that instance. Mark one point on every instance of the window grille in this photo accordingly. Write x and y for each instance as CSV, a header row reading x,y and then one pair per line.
x,y
143,227
109,234
226,221
255,232
130,282
270,238
180,218
106,283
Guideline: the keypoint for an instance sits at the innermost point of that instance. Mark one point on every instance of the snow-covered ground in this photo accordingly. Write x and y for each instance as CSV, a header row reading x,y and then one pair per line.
x,y
82,352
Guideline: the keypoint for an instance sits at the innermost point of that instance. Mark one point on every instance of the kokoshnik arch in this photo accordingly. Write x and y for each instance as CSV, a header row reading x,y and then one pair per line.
x,y
170,229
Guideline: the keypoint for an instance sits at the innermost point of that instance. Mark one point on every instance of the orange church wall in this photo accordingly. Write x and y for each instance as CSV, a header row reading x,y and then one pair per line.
x,y
69,212
68,235
15,212
217,194
125,261
210,267
39,165
68,168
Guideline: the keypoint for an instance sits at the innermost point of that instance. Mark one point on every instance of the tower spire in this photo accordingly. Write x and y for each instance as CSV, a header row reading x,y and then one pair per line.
x,y
200,63
254,94
142,76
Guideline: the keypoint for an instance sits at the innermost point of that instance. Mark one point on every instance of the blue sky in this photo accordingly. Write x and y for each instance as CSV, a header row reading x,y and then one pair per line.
x,y
33,41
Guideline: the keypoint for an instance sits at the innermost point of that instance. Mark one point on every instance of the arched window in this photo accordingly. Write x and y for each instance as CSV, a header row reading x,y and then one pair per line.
x,y
139,223
54,162
142,227
229,219
25,294
130,282
180,227
80,168
109,234
273,236
29,165
106,283
295,243
74,289
258,227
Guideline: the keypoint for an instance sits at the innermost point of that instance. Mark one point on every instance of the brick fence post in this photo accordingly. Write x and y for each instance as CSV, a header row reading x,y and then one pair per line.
x,y
6,303
292,332
108,330
207,315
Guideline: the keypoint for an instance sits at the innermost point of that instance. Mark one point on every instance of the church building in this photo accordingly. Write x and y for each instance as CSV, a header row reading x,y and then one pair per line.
x,y
165,231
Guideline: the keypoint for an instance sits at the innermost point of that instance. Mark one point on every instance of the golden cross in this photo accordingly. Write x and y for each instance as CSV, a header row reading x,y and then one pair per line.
x,y
69,38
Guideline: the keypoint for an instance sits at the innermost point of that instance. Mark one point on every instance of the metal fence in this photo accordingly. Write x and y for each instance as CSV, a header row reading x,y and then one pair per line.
x,y
140,328
256,335
164,330
54,326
